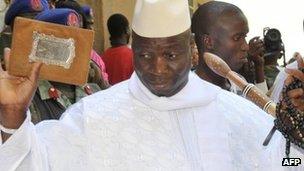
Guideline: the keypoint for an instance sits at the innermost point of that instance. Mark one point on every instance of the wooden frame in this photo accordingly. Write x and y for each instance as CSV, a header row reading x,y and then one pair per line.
x,y
22,45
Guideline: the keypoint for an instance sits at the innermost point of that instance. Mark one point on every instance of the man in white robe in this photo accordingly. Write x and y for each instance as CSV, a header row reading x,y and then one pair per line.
x,y
163,118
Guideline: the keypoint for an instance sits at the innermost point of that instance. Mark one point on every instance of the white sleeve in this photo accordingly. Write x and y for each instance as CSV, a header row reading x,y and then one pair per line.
x,y
262,86
21,145
31,147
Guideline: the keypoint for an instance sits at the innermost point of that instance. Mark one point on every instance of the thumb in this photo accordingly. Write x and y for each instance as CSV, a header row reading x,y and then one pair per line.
x,y
35,72
7,53
296,73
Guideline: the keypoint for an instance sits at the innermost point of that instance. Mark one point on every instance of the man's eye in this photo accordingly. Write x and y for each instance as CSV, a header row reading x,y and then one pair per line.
x,y
236,38
171,55
145,55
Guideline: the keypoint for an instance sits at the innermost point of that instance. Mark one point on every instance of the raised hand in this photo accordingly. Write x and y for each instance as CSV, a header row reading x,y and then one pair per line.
x,y
16,94
291,106
296,95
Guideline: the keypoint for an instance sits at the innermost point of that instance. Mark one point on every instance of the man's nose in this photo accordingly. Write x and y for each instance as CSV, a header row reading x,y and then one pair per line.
x,y
159,65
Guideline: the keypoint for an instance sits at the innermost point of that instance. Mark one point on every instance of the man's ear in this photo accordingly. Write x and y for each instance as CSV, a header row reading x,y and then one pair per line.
x,y
207,42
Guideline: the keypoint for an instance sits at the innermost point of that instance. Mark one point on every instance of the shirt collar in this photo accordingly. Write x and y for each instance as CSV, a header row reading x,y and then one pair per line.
x,y
197,92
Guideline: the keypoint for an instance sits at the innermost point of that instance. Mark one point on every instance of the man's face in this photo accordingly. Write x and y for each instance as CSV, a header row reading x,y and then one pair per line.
x,y
162,64
230,39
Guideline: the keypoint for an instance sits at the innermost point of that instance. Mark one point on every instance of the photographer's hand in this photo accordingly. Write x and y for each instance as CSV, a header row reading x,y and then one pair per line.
x,y
15,96
255,53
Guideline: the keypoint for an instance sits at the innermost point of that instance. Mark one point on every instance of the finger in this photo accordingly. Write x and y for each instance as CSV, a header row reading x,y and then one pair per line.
x,y
295,54
260,50
257,47
1,69
35,71
297,102
301,108
299,59
259,44
7,52
253,39
260,41
263,50
296,73
295,93
288,80
5,75
256,38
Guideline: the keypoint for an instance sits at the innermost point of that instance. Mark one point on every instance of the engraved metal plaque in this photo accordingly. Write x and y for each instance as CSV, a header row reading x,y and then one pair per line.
x,y
52,50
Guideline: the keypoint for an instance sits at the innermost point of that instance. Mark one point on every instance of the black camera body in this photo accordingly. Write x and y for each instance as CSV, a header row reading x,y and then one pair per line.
x,y
273,42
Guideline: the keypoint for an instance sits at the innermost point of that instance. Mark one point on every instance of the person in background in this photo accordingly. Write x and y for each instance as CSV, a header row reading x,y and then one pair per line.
x,y
223,33
21,8
163,118
119,57
253,70
72,4
89,18
52,4
194,53
52,98
274,50
86,24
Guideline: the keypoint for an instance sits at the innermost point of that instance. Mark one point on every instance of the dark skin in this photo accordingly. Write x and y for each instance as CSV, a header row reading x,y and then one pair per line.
x,y
90,24
95,76
227,40
122,40
15,96
51,4
296,95
162,64
256,54
272,60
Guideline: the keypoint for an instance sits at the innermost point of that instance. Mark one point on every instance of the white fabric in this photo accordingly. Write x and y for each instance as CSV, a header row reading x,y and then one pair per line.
x,y
161,18
128,128
7,130
262,86
279,82
235,89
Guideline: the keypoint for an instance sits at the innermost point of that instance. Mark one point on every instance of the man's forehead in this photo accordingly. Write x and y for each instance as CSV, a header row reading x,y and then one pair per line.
x,y
231,16
232,22
168,42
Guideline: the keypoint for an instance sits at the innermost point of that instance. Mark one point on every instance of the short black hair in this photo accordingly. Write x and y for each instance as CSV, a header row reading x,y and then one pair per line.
x,y
206,16
118,25
72,4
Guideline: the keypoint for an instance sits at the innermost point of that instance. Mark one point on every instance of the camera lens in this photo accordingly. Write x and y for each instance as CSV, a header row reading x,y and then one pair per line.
x,y
274,35
272,40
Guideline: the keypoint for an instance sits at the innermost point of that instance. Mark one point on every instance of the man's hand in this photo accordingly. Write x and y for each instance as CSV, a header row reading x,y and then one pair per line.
x,y
255,53
289,121
16,94
296,95
256,50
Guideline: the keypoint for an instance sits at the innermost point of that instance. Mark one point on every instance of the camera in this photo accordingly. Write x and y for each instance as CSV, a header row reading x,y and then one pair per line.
x,y
273,42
